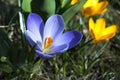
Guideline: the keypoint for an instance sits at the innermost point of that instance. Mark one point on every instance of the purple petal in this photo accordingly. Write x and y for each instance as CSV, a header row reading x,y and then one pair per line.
x,y
46,56
38,46
31,38
35,25
76,38
59,49
72,38
54,26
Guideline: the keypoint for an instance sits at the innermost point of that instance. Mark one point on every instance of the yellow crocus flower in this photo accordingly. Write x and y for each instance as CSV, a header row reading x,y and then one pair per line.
x,y
94,7
74,2
99,32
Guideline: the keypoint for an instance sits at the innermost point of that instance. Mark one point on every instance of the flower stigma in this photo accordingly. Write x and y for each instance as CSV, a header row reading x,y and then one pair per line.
x,y
47,43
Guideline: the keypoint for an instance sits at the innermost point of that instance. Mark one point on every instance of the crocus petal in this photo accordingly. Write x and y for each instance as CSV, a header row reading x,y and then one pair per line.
x,y
91,24
100,7
99,32
75,38
93,7
100,26
54,26
97,9
74,2
90,3
35,25
31,38
87,12
91,27
109,32
38,46
59,49
42,55
72,38
111,29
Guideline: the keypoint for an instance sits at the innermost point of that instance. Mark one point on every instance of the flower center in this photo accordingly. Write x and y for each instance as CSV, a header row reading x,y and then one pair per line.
x,y
48,42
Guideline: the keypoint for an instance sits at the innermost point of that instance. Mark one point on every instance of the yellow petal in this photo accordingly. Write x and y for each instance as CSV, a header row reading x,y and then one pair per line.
x,y
91,27
73,2
99,27
109,32
89,11
91,24
99,32
100,7
103,11
90,3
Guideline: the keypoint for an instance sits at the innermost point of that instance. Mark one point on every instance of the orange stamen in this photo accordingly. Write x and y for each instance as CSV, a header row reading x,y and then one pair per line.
x,y
48,42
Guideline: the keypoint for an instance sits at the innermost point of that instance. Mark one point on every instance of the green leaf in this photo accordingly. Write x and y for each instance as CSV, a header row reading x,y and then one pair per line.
x,y
36,67
45,8
26,5
100,52
49,7
65,2
67,15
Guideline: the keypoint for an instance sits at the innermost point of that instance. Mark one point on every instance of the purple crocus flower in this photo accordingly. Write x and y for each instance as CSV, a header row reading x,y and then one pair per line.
x,y
49,39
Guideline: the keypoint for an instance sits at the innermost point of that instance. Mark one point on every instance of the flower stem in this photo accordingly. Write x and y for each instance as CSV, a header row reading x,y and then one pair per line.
x,y
64,70
56,68
64,64
22,23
